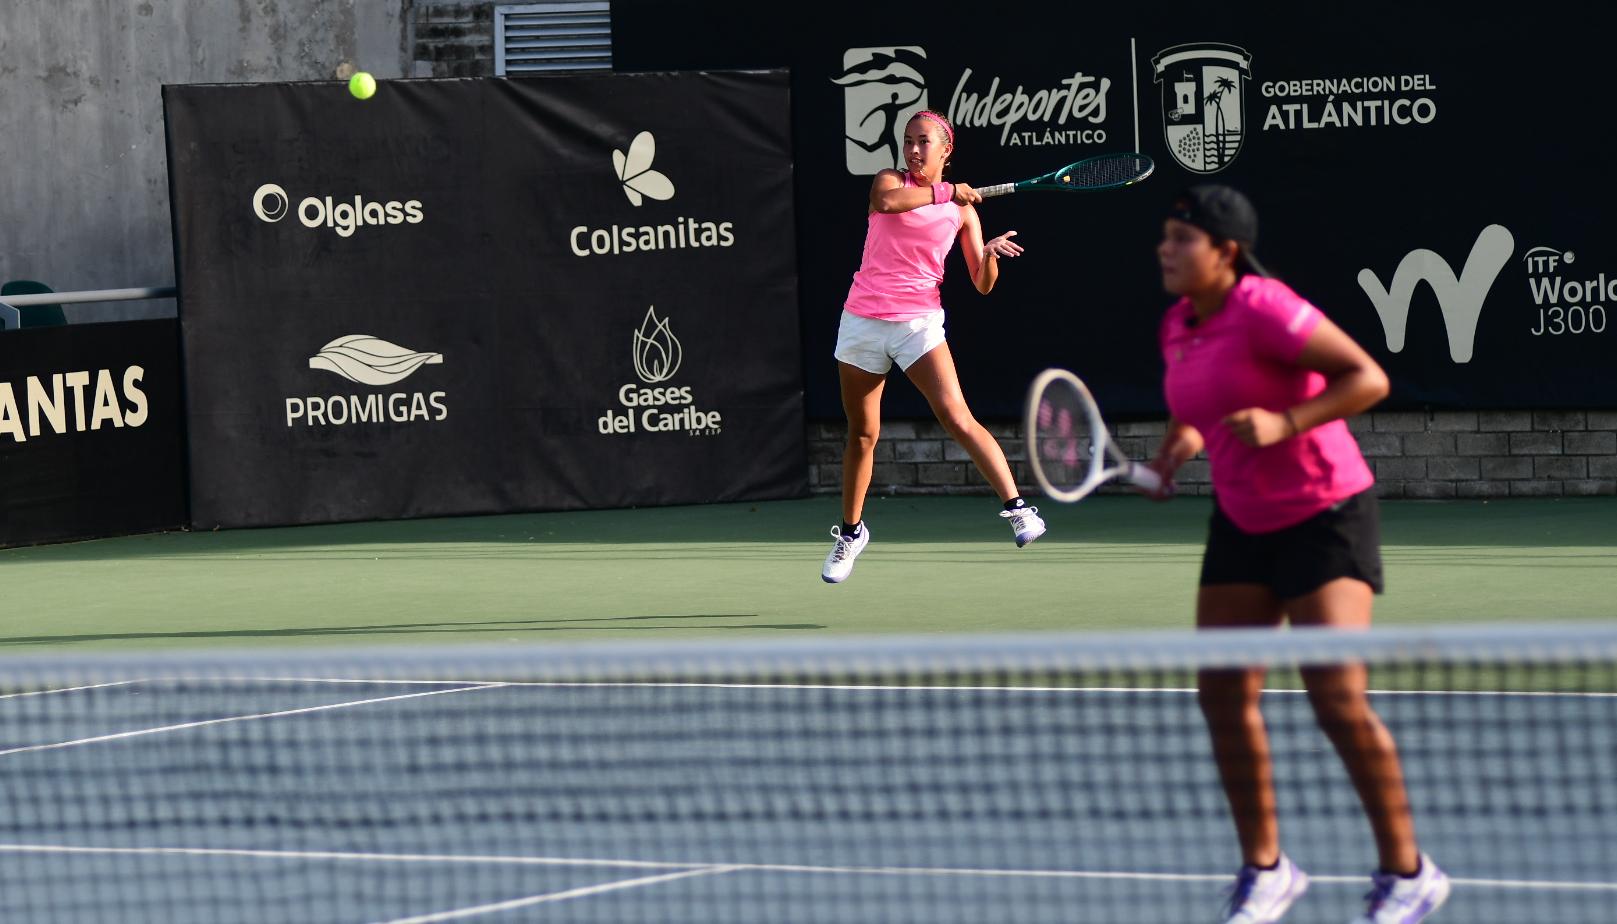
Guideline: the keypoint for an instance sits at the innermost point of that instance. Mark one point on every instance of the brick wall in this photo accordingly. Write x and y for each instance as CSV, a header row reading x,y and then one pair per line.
x,y
451,38
1444,454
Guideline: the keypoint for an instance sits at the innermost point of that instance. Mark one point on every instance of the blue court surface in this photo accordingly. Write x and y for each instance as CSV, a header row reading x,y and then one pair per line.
x,y
318,799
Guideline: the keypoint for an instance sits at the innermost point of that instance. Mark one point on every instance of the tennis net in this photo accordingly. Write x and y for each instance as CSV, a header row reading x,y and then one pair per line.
x,y
976,779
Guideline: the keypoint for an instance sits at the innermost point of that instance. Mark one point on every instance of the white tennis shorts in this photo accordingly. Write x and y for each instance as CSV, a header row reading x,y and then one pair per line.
x,y
874,345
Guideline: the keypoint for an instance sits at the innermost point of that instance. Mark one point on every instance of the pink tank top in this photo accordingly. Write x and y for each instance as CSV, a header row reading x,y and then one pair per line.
x,y
1246,356
902,268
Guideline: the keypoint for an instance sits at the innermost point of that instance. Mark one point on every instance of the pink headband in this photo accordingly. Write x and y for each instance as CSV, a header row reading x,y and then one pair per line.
x,y
942,122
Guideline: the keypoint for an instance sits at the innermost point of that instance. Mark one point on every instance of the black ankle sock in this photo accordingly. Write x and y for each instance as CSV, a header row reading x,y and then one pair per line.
x,y
1271,867
1015,503
852,531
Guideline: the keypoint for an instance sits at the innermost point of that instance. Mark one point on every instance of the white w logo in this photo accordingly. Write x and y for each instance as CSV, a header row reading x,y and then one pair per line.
x,y
1460,299
634,169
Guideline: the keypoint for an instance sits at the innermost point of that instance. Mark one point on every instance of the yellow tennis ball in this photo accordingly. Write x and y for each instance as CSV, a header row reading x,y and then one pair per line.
x,y
362,85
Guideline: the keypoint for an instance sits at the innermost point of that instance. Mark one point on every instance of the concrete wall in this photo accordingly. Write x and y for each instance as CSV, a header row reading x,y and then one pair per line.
x,y
452,38
83,171
1444,454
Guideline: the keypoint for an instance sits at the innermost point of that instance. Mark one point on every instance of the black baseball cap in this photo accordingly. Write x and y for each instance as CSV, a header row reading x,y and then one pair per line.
x,y
1225,213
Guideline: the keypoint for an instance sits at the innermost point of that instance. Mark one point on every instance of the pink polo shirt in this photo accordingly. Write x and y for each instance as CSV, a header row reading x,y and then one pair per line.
x,y
902,267
1244,356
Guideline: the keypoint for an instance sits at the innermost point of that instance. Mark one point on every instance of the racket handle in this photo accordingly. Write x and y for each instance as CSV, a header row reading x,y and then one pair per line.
x,y
1144,476
999,189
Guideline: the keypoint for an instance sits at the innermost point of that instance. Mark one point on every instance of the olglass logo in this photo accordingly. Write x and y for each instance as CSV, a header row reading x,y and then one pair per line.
x,y
366,360
639,183
654,407
271,204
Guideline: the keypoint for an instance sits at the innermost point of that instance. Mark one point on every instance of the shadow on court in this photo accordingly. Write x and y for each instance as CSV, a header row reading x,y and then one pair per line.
x,y
741,528
469,630
935,565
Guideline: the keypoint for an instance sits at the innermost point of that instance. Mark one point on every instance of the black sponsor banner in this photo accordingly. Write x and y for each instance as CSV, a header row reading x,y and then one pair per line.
x,y
91,439
471,296
1424,181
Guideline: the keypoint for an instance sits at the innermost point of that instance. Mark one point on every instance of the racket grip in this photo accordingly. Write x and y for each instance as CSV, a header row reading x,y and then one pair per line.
x,y
1144,476
999,189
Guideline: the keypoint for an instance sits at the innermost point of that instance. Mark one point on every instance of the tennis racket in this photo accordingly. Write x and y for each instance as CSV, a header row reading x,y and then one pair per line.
x,y
1092,174
1068,445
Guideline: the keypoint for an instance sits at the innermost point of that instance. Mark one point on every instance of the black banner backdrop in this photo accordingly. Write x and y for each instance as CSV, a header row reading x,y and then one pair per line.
x,y
91,438
1431,182
473,296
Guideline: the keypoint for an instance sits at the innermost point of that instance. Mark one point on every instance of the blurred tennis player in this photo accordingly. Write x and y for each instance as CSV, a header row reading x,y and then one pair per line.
x,y
894,315
1263,381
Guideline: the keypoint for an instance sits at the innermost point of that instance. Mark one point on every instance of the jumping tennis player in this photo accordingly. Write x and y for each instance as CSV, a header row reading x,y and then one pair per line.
x,y
894,314
1263,381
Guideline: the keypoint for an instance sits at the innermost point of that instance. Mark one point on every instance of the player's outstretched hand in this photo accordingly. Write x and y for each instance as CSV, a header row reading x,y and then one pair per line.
x,y
1003,246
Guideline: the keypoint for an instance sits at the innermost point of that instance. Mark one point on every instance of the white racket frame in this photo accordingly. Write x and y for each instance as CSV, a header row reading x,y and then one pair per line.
x,y
1106,461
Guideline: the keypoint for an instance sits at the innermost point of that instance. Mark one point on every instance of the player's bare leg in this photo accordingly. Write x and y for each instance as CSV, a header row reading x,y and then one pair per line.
x,y
861,400
934,375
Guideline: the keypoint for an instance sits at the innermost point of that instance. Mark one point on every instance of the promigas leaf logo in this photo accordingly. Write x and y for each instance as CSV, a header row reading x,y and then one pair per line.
x,y
634,171
370,361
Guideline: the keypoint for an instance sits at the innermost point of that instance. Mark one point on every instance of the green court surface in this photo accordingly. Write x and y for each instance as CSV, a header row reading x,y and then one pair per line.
x,y
935,565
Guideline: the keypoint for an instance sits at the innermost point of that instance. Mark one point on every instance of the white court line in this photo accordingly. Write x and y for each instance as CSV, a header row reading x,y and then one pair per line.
x,y
580,892
90,686
710,866
495,859
893,688
116,736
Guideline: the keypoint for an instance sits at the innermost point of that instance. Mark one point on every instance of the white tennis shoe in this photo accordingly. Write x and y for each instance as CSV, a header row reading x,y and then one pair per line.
x,y
1262,896
1025,523
1396,900
839,564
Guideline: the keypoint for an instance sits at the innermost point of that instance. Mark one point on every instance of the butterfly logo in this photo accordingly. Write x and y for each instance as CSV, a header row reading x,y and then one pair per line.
x,y
634,171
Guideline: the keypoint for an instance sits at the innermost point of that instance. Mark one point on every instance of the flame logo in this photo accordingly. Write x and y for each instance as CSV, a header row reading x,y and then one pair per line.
x,y
370,361
656,351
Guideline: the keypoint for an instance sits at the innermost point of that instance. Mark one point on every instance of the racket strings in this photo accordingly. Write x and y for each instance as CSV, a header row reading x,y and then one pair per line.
x,y
1065,445
1107,171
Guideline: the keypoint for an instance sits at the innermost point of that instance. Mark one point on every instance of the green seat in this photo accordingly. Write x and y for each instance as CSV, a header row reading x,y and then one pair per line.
x,y
33,315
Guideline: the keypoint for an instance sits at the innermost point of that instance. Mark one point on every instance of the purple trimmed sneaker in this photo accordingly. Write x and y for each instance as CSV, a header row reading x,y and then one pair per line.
x,y
1397,900
1262,896
839,564
1025,523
